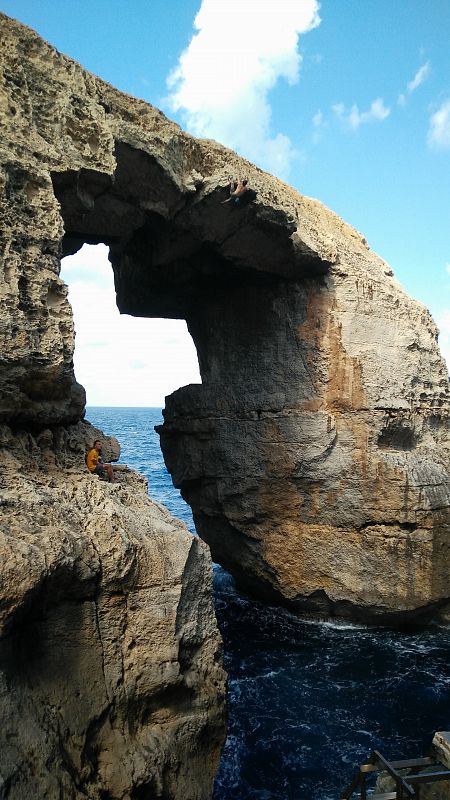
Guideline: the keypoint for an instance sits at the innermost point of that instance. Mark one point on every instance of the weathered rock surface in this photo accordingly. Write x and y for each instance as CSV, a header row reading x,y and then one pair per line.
x,y
441,748
111,678
111,684
315,452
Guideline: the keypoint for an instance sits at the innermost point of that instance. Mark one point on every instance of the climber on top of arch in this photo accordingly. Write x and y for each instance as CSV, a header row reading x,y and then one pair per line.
x,y
238,189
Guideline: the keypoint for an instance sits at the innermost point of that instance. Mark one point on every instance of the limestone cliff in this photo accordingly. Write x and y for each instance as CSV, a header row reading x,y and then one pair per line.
x,y
315,452
111,683
111,678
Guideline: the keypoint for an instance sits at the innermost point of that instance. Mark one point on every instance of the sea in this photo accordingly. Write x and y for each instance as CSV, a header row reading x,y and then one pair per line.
x,y
308,700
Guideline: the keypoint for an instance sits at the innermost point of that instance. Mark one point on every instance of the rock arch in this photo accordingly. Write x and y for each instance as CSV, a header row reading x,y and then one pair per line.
x,y
315,452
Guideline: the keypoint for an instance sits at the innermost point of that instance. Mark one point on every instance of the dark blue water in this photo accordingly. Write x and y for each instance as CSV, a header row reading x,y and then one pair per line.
x,y
307,700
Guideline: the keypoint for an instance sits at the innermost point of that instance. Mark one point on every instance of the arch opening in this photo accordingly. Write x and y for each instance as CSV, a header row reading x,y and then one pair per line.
x,y
171,241
122,360
176,252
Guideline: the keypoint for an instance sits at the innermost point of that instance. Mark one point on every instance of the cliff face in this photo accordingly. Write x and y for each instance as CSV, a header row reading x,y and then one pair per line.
x,y
316,462
315,452
111,678
110,659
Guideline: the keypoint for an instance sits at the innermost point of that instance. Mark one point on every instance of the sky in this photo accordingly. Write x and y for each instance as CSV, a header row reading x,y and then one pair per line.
x,y
346,100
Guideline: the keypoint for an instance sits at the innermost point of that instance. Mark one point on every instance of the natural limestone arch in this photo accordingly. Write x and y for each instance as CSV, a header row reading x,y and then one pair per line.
x,y
315,452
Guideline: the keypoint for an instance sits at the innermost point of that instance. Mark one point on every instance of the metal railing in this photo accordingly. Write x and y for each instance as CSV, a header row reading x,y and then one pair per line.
x,y
406,785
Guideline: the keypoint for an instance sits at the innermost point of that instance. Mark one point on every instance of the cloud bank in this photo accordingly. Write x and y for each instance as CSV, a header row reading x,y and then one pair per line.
x,y
223,79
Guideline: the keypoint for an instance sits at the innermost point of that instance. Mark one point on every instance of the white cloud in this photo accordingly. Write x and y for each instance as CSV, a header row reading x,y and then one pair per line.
x,y
318,119
339,109
419,78
319,124
89,265
439,130
447,267
122,360
223,79
354,118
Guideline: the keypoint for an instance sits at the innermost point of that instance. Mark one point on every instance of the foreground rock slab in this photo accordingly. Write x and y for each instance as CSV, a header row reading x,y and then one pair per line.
x,y
111,682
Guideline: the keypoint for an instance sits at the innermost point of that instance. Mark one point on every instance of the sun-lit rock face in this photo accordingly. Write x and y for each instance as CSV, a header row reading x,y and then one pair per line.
x,y
316,463
315,452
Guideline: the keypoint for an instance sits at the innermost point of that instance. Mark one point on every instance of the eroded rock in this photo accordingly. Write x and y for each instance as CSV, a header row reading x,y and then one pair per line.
x,y
317,461
110,659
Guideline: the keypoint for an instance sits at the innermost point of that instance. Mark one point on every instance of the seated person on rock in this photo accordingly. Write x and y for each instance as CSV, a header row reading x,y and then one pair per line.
x,y
96,465
237,190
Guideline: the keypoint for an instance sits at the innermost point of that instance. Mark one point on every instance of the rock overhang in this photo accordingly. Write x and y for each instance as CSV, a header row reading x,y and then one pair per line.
x,y
170,247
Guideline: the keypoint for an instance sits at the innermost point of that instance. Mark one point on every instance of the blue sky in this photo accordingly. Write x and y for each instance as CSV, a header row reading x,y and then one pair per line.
x,y
347,100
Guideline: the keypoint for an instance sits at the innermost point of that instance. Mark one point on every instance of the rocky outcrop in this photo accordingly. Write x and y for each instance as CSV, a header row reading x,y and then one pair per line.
x,y
441,749
317,462
315,452
110,659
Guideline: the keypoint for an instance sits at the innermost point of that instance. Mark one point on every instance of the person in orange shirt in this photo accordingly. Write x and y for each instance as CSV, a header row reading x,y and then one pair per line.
x,y
96,465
